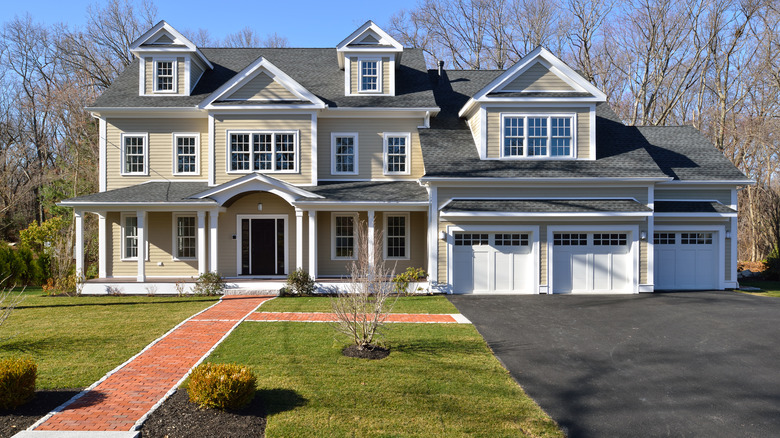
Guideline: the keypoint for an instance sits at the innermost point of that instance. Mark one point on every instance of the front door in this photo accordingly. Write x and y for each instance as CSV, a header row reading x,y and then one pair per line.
x,y
262,246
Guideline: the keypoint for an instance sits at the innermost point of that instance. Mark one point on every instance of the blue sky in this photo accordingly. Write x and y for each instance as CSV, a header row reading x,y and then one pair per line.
x,y
305,23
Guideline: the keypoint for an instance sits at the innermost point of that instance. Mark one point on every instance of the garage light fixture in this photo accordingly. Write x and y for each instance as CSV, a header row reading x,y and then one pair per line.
x,y
442,235
642,235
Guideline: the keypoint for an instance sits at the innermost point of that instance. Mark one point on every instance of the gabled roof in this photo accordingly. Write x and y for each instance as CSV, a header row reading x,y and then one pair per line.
x,y
584,90
153,192
254,182
149,41
259,66
368,38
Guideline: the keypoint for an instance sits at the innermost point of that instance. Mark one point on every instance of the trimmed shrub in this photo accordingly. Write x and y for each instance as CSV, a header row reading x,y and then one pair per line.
x,y
17,382
299,284
209,284
401,281
222,386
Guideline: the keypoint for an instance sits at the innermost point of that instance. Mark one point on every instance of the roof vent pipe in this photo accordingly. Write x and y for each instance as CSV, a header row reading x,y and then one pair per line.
x,y
441,68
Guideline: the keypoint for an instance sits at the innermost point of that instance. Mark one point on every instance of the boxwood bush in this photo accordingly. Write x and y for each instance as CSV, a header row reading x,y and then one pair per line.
x,y
222,386
17,382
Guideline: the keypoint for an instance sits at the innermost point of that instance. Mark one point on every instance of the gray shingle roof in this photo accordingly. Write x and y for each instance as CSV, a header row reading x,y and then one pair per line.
x,y
370,191
546,206
691,207
157,192
315,69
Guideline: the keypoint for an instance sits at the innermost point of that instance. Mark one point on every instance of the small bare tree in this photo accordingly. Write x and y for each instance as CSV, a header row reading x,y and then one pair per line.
x,y
362,308
8,302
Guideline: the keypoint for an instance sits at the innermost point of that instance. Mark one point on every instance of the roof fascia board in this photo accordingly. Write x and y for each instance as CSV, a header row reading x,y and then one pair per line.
x,y
568,100
158,205
216,108
281,185
250,72
543,181
692,215
163,25
339,205
183,112
748,182
368,25
539,214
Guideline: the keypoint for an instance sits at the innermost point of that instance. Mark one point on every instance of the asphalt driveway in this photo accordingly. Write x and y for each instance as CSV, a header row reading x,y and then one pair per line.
x,y
662,364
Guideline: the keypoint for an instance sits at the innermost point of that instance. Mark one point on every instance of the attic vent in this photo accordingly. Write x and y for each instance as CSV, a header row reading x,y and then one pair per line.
x,y
164,39
369,39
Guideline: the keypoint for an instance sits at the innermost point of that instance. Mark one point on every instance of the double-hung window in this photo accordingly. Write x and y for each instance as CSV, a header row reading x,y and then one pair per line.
x,y
369,75
135,154
130,237
165,76
397,236
344,153
396,153
186,237
262,151
538,135
185,150
344,236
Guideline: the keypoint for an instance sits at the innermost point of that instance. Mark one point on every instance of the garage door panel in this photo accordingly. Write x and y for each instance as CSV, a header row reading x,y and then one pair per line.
x,y
686,260
591,262
505,268
481,272
579,271
463,271
601,272
492,262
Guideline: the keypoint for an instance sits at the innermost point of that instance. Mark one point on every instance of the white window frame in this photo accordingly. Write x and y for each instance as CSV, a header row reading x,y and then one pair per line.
x,y
145,136
175,70
379,67
297,149
549,117
333,149
176,136
122,227
355,224
175,237
408,155
407,237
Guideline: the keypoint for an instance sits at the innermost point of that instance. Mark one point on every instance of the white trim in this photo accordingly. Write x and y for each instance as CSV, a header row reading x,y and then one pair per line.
x,y
200,243
483,146
391,86
122,223
408,157
407,234
384,37
297,150
312,214
143,242
649,243
102,246
103,154
213,240
239,241
267,183
548,116
145,136
589,229
433,233
141,76
78,250
174,235
298,238
543,181
347,75
720,230
212,152
477,214
735,182
175,63
333,136
533,230
187,74
135,46
355,224
380,86
194,135
592,133
315,162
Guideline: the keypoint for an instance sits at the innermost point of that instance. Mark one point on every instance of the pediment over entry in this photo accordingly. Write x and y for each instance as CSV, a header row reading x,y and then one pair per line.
x,y
255,182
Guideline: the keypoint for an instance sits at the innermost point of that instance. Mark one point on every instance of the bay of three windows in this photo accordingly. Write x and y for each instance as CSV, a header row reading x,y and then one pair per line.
x,y
537,135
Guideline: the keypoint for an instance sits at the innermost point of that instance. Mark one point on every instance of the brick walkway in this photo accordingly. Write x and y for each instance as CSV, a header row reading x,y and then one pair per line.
x,y
124,397
455,318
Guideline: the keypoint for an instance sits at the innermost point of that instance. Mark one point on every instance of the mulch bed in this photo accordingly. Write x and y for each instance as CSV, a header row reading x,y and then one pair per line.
x,y
374,353
19,419
177,417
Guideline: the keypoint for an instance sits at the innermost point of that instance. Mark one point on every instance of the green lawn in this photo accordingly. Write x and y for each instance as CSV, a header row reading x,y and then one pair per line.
x,y
770,288
413,304
77,340
439,380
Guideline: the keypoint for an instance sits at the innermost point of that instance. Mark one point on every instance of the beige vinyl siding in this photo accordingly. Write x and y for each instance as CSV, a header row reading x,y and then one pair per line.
x,y
160,148
159,228
247,204
638,193
263,87
494,126
196,70
277,122
721,195
537,78
370,146
149,75
355,75
475,123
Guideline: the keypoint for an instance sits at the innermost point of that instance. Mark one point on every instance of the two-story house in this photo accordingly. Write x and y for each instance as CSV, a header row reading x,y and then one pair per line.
x,y
255,162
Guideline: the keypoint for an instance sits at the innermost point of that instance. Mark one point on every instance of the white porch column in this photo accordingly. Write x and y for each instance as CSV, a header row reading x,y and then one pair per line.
x,y
141,231
202,261
313,244
213,228
433,235
79,250
371,242
102,246
298,238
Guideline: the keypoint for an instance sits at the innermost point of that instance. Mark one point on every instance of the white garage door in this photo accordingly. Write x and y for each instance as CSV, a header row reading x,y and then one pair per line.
x,y
492,263
685,261
591,262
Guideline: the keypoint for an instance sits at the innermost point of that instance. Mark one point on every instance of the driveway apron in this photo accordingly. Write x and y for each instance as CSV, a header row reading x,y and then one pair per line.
x,y
661,364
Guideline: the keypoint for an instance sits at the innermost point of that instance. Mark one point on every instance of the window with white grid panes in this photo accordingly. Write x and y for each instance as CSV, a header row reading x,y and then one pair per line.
x,y
613,239
344,152
395,236
186,154
570,239
470,239
344,236
696,238
514,239
164,76
664,238
537,135
397,154
369,75
186,232
263,151
135,154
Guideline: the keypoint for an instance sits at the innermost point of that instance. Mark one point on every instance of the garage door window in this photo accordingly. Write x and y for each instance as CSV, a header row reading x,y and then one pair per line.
x,y
469,239
696,238
609,239
511,239
664,238
568,239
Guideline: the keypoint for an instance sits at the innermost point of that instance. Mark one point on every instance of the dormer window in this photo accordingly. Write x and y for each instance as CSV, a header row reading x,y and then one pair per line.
x,y
165,76
369,75
538,135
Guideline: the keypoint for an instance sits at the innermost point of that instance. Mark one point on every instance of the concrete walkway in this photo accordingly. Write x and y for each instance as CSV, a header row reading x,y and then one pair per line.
x,y
424,318
123,398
